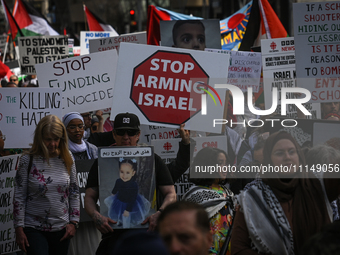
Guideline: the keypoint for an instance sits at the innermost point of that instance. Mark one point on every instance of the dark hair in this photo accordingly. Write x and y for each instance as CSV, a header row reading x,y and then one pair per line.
x,y
129,161
179,23
207,157
202,220
325,242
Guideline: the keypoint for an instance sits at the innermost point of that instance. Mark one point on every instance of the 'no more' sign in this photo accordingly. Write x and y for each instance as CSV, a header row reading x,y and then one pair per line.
x,y
166,87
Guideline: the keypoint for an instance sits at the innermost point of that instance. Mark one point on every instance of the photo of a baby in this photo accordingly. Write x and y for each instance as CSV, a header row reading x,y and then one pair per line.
x,y
126,205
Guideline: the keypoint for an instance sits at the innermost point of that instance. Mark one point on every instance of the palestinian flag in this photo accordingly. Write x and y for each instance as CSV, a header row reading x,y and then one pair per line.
x,y
155,15
263,24
95,23
30,21
13,25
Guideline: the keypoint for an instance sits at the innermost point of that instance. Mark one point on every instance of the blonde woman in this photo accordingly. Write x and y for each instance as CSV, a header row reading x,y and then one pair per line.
x,y
46,197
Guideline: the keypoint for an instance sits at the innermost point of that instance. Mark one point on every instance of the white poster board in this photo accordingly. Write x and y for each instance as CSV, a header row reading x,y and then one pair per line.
x,y
316,32
22,109
163,86
244,69
104,44
8,166
86,81
85,36
149,133
278,57
41,49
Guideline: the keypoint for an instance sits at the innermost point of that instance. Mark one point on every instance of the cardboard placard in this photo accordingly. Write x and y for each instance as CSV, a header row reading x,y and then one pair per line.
x,y
164,86
244,69
22,108
86,36
41,49
104,44
8,166
278,57
86,81
316,32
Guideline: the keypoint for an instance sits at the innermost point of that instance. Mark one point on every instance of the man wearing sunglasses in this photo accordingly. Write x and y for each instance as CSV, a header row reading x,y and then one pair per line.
x,y
14,79
126,133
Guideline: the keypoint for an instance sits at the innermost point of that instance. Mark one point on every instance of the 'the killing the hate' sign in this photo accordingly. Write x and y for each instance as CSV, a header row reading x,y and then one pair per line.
x,y
244,69
8,167
164,86
22,109
86,81
317,43
40,49
111,43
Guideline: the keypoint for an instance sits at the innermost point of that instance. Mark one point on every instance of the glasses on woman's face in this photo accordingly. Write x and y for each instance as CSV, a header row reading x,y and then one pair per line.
x,y
73,128
3,137
130,132
13,79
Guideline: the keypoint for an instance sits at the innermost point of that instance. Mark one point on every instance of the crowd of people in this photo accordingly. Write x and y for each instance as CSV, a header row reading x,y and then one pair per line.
x,y
287,212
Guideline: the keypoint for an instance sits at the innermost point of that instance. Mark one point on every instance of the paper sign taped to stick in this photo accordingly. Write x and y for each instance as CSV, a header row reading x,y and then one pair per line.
x,y
86,81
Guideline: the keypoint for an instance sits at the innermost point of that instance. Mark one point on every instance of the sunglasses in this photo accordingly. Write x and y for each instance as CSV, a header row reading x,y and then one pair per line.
x,y
13,79
130,132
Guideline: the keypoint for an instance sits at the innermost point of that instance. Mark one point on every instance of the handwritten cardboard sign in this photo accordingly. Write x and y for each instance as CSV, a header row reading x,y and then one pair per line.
x,y
41,49
86,81
22,109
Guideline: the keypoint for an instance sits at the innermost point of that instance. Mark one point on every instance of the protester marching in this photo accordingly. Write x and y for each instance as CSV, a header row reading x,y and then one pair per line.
x,y
197,136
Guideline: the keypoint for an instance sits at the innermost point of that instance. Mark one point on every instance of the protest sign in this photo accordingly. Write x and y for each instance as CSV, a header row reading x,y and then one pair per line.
x,y
167,150
83,168
244,69
86,36
205,33
127,185
8,166
41,49
3,39
149,133
278,57
164,86
86,81
22,109
104,44
316,29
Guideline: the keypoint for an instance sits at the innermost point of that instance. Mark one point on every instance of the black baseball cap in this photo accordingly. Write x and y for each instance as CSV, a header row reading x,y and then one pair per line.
x,y
126,121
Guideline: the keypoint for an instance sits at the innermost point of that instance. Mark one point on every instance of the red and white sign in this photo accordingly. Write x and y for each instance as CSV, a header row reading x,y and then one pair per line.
x,y
164,85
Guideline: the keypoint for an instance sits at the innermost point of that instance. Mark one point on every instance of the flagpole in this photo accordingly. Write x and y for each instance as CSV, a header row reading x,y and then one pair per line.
x,y
86,26
4,57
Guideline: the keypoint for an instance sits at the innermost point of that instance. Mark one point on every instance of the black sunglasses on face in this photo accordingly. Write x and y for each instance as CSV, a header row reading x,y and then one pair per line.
x,y
130,132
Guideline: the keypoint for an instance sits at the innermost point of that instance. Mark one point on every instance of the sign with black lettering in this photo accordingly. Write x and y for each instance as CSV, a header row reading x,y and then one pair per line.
x,y
168,86
83,168
149,133
86,81
278,57
22,109
86,36
316,31
244,69
111,43
41,49
8,166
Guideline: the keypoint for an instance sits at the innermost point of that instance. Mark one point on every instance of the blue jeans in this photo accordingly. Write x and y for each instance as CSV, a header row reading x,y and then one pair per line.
x,y
46,243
